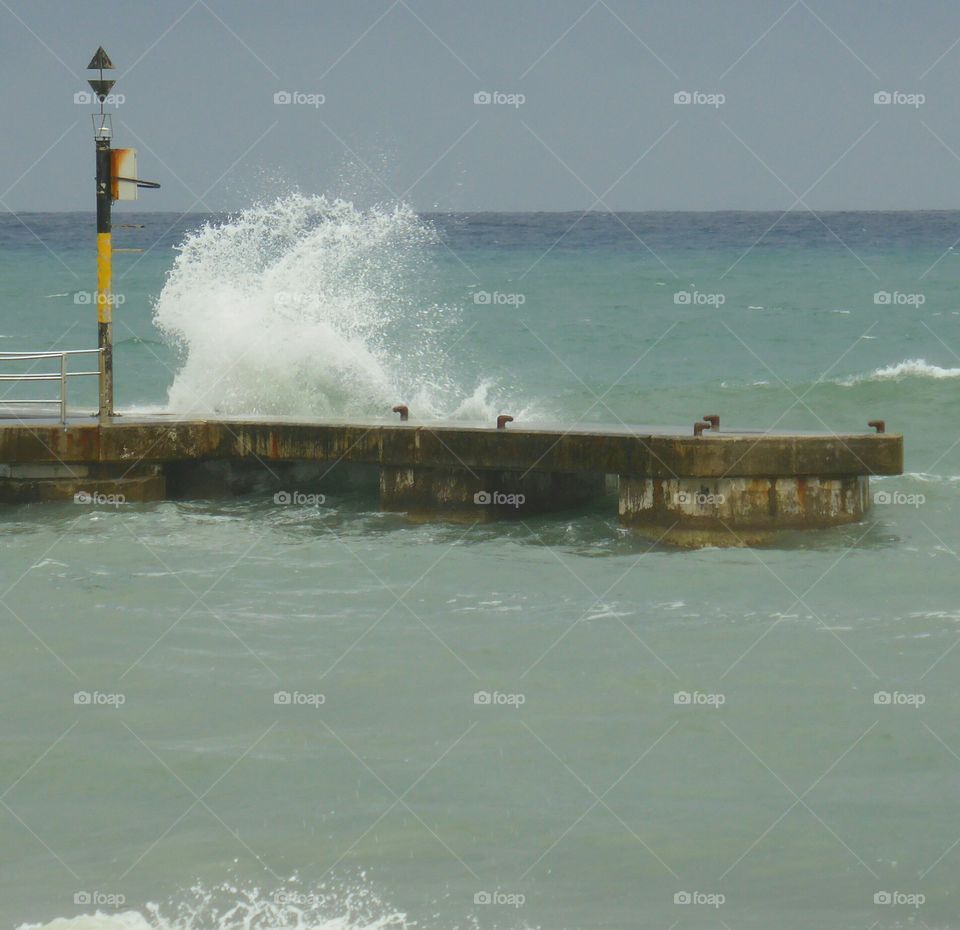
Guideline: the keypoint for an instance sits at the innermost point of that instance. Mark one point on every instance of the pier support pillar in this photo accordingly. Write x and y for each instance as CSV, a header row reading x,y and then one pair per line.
x,y
95,483
481,495
696,512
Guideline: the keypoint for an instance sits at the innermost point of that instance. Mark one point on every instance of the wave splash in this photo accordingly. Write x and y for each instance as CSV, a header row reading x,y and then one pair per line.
x,y
909,368
306,306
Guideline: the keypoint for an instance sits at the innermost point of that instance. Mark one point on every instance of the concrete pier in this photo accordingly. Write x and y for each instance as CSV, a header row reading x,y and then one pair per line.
x,y
734,487
694,512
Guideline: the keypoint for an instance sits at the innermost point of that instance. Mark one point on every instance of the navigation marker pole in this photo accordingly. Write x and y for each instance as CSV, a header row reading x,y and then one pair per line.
x,y
111,163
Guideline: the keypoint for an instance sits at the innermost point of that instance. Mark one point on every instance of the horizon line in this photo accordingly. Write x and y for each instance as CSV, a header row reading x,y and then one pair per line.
x,y
773,210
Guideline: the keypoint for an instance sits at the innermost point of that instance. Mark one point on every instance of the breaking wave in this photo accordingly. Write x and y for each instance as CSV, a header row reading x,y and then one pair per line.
x,y
910,368
306,306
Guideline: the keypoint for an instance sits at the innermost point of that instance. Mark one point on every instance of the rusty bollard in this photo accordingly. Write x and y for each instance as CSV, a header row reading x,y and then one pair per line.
x,y
698,428
879,425
503,420
714,420
403,410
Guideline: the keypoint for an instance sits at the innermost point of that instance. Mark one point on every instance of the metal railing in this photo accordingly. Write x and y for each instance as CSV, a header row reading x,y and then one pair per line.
x,y
61,375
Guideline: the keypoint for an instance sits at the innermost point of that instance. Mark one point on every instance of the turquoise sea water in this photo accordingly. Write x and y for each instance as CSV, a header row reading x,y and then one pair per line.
x,y
585,794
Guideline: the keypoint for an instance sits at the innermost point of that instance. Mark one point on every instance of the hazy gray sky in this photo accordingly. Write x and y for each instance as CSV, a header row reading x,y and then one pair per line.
x,y
599,127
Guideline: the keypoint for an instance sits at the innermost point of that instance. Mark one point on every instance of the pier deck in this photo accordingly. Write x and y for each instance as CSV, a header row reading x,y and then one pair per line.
x,y
730,481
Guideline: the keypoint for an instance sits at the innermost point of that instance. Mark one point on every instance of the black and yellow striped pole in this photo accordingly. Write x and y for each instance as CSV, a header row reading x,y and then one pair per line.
x,y
104,277
110,187
102,134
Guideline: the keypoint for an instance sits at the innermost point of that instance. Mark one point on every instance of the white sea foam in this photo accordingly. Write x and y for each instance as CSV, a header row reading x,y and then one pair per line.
x,y
228,907
923,476
909,368
237,919
306,306
129,920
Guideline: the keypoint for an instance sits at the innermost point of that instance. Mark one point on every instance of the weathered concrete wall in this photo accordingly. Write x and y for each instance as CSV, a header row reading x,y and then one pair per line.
x,y
22,484
482,496
219,478
655,455
738,511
